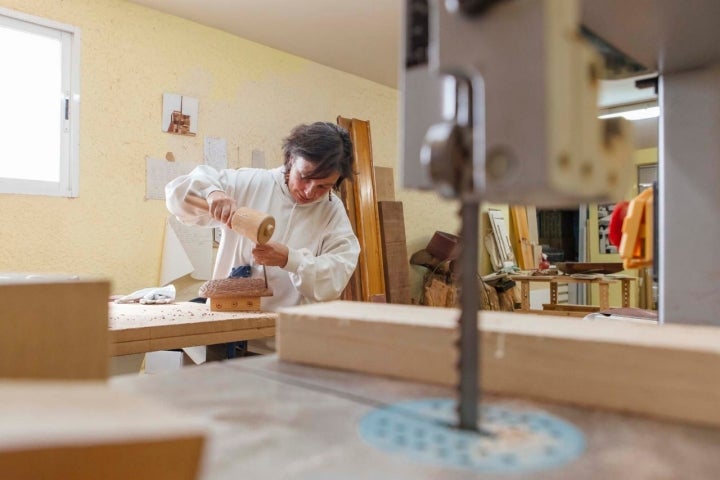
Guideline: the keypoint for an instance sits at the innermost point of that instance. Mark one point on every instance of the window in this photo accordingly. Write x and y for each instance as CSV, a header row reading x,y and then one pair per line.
x,y
39,105
647,175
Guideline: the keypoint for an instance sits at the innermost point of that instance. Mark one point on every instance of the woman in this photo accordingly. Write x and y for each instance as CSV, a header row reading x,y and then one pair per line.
x,y
313,251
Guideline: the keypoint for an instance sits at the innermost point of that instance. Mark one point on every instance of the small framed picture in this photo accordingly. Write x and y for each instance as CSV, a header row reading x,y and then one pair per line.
x,y
180,114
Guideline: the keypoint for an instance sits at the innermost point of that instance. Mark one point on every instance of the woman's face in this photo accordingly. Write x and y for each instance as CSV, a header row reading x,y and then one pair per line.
x,y
305,190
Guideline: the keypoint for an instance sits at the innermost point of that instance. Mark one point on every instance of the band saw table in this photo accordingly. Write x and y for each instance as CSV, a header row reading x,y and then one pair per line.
x,y
277,420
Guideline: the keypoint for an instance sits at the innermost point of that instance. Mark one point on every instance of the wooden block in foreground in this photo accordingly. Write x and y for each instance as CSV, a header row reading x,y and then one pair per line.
x,y
668,371
88,431
53,328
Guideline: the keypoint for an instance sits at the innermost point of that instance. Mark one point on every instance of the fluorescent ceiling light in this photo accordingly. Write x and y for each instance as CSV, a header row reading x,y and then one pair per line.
x,y
632,112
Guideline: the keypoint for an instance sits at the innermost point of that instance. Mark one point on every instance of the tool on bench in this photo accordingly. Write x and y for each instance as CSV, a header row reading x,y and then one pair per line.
x,y
257,226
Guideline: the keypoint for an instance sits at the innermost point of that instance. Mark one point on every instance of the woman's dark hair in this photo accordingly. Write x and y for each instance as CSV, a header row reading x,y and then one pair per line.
x,y
326,145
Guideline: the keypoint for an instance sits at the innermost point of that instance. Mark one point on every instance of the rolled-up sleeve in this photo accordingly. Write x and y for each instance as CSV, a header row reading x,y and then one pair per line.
x,y
201,182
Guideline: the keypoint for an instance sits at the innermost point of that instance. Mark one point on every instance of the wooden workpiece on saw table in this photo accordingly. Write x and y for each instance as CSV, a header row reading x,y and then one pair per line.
x,y
668,371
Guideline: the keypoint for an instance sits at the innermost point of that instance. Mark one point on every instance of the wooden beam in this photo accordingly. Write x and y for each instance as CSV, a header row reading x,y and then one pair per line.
x,y
668,371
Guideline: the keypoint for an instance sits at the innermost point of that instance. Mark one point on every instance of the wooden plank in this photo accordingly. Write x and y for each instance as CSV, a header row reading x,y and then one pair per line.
x,y
384,184
668,371
368,213
552,313
54,329
367,227
532,224
502,237
521,237
209,338
348,194
86,430
395,257
353,290
571,307
130,347
138,328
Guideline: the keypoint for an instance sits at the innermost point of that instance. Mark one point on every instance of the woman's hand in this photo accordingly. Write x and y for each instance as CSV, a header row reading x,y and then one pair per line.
x,y
221,207
272,254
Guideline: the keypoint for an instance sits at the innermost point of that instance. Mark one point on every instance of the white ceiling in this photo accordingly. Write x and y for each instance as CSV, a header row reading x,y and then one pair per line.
x,y
361,37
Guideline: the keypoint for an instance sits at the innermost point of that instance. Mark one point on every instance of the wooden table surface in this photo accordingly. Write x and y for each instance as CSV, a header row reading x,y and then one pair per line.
x,y
276,420
136,328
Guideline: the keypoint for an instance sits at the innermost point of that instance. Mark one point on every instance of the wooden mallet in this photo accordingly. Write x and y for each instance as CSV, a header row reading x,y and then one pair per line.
x,y
257,226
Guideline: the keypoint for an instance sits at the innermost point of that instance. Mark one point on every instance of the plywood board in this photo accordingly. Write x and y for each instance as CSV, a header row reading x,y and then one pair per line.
x,y
395,258
668,371
86,430
52,329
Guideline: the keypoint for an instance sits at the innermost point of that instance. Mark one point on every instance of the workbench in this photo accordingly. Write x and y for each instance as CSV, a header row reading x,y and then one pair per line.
x,y
136,328
277,420
603,284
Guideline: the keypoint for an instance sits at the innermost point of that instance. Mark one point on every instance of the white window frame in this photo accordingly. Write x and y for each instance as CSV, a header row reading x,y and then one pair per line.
x,y
68,184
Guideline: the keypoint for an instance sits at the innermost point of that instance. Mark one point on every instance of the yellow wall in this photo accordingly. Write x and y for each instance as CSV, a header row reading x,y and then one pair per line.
x,y
249,94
